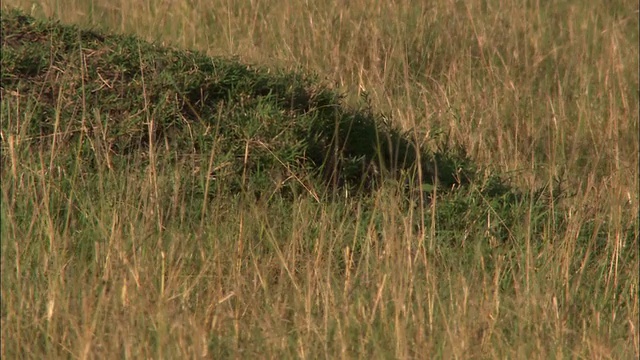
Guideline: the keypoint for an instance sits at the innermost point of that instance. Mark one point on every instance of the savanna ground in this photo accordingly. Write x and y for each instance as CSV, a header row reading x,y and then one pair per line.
x,y
458,179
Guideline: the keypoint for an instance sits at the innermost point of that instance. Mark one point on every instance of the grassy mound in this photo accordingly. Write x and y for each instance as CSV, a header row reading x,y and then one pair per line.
x,y
86,101
243,124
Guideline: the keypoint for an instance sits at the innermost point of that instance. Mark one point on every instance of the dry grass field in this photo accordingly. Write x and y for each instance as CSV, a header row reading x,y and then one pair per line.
x,y
119,242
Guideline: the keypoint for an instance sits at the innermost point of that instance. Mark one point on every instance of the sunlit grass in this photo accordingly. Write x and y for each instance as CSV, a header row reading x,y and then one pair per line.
x,y
121,241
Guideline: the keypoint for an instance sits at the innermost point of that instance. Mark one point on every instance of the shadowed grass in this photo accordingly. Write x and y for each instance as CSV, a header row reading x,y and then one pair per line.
x,y
122,94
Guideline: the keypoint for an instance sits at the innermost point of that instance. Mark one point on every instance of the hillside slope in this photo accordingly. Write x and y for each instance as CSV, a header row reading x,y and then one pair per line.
x,y
82,85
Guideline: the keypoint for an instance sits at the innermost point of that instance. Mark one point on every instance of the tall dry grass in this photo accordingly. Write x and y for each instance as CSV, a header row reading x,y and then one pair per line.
x,y
538,91
549,84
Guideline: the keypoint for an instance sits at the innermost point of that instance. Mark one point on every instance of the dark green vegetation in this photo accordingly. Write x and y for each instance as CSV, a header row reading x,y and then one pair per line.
x,y
118,100
251,124
163,203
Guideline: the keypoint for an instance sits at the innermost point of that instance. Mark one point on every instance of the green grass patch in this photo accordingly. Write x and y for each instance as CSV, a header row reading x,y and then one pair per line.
x,y
116,96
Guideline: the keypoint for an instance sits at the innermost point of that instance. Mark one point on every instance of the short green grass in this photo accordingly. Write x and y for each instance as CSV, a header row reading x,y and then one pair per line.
x,y
159,202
